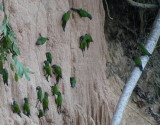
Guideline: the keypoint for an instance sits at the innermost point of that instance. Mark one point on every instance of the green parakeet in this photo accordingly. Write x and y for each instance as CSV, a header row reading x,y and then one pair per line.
x,y
58,72
47,69
59,102
5,76
143,50
88,39
15,108
45,102
26,107
54,89
65,19
49,57
138,62
82,13
41,113
41,40
83,44
39,94
16,77
12,67
73,81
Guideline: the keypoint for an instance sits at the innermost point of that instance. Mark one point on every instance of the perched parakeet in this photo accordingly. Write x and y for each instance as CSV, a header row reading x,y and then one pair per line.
x,y
1,65
15,108
41,40
82,13
26,107
83,44
143,50
54,89
45,102
41,113
58,72
5,76
39,94
65,19
88,39
59,102
49,57
73,81
47,69
138,62
12,67
16,77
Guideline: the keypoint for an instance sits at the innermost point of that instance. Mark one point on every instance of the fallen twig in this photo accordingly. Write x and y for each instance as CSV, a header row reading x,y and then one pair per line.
x,y
142,5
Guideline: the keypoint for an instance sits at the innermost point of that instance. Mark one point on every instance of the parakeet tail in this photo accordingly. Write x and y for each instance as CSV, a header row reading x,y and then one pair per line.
x,y
83,53
59,109
72,86
63,26
57,79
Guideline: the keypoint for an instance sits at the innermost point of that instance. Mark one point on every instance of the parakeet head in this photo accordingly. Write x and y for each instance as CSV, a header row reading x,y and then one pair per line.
x,y
46,62
38,88
141,45
14,102
46,94
53,66
133,57
40,110
81,38
69,11
52,87
25,99
5,70
72,78
47,53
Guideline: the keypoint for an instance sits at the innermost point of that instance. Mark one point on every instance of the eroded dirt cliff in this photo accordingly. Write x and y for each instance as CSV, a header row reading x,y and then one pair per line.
x,y
93,100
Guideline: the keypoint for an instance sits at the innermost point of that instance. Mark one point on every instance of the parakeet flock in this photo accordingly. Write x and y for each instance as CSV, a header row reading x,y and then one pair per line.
x,y
137,59
56,71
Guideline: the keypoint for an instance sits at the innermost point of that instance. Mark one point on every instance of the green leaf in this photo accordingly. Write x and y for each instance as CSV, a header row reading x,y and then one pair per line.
x,y
12,38
1,6
41,40
21,69
11,33
4,25
15,49
6,43
27,77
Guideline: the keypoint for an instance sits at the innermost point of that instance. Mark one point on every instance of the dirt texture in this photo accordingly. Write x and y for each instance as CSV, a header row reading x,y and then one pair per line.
x,y
100,74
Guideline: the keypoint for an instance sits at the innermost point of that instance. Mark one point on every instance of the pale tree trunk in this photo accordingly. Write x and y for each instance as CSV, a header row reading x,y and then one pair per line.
x,y
136,73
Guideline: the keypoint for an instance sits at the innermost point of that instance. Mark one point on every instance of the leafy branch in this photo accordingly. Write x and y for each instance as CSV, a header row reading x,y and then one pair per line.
x,y
8,45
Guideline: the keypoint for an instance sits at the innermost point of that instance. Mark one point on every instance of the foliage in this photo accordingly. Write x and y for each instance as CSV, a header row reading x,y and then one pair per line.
x,y
8,45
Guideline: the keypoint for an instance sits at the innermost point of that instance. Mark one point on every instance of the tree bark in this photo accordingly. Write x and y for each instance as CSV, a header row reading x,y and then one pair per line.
x,y
136,73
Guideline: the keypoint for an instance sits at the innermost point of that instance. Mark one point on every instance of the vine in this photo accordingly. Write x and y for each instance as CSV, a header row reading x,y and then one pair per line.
x,y
8,48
